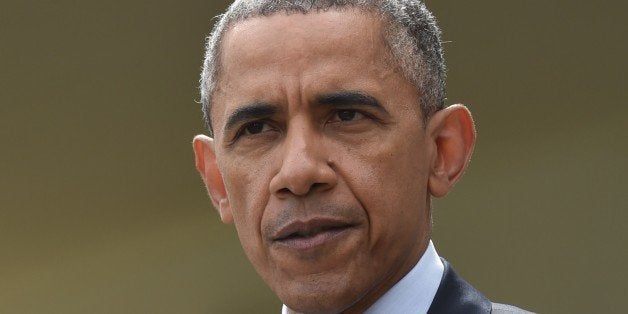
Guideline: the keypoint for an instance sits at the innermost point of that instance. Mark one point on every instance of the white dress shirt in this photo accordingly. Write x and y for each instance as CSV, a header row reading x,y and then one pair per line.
x,y
414,292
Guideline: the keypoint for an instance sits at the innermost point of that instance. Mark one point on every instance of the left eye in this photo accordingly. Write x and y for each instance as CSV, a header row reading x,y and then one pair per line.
x,y
255,127
347,115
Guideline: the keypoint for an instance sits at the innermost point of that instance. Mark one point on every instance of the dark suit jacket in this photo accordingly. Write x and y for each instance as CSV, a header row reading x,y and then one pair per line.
x,y
454,295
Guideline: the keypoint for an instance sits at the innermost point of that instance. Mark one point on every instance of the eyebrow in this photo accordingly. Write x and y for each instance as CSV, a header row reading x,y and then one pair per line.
x,y
248,112
352,98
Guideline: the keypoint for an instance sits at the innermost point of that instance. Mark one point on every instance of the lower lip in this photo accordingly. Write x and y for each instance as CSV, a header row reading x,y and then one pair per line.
x,y
314,241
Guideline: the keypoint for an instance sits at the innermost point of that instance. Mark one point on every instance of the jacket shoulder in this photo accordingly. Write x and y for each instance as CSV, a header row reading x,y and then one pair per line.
x,y
498,308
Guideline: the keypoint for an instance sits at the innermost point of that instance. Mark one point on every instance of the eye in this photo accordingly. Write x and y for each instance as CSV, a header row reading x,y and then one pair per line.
x,y
346,115
255,127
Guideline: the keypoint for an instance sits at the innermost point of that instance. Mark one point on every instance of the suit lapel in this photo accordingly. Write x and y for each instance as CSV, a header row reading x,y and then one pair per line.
x,y
454,295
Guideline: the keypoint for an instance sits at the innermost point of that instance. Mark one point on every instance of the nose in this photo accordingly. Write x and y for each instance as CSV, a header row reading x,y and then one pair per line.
x,y
305,165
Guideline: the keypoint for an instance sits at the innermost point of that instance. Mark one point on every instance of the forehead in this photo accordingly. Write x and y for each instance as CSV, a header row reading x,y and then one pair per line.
x,y
282,36
263,58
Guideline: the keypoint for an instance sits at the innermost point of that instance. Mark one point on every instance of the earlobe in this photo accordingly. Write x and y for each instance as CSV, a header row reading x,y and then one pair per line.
x,y
205,158
452,133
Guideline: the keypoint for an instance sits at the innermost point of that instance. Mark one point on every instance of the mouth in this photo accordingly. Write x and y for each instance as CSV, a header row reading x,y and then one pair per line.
x,y
301,235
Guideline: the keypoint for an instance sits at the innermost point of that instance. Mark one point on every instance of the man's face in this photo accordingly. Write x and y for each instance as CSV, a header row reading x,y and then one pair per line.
x,y
323,156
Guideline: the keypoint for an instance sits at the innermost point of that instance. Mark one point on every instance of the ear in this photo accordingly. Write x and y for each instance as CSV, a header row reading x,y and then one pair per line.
x,y
452,133
207,167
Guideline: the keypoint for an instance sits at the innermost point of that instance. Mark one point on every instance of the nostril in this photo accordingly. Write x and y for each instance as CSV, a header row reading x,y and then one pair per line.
x,y
302,190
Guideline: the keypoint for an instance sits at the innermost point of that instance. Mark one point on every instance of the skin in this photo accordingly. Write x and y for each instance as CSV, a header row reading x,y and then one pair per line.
x,y
300,146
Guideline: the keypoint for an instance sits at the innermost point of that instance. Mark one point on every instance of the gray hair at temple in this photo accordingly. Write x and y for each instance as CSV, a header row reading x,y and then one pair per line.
x,y
410,31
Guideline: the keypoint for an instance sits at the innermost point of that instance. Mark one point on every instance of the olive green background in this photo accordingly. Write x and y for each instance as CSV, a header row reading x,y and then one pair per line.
x,y
101,210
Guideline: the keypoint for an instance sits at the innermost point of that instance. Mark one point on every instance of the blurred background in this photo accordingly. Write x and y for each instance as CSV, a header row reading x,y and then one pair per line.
x,y
101,209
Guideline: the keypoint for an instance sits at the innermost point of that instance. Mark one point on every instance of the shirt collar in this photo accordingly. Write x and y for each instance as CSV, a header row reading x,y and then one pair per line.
x,y
415,291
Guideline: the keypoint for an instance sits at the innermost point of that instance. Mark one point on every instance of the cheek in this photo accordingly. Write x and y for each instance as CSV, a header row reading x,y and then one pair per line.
x,y
390,180
247,191
248,195
396,170
397,189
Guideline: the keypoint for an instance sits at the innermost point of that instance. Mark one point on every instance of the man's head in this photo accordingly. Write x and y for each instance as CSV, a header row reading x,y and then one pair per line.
x,y
322,156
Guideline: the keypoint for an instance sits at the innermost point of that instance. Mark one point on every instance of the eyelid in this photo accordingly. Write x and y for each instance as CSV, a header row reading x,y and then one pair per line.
x,y
358,109
335,114
242,128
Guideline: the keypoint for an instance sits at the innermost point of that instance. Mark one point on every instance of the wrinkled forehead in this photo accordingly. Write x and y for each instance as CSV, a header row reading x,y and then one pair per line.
x,y
286,37
294,44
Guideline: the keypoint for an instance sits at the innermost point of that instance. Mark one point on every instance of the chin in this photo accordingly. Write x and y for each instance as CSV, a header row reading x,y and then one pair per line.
x,y
316,305
314,296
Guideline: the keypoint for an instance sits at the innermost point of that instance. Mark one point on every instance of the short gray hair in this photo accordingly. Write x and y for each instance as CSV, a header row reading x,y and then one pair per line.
x,y
410,32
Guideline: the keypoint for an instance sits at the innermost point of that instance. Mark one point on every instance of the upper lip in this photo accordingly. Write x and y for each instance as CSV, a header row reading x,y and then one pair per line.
x,y
308,227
